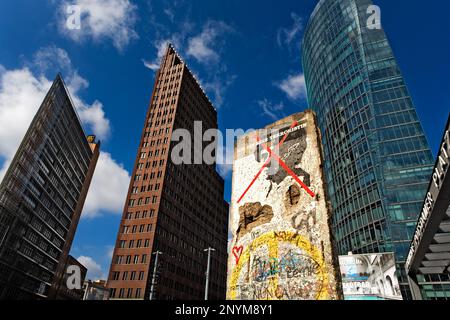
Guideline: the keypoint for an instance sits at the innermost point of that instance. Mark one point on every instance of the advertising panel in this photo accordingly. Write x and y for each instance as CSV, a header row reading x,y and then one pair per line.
x,y
369,277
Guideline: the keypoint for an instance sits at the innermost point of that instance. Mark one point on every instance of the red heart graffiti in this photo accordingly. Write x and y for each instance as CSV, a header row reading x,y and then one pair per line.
x,y
237,252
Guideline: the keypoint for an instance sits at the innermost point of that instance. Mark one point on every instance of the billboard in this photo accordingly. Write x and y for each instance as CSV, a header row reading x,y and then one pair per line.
x,y
369,277
279,217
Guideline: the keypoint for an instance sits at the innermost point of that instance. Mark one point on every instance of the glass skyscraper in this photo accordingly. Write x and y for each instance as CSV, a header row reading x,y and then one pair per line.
x,y
377,160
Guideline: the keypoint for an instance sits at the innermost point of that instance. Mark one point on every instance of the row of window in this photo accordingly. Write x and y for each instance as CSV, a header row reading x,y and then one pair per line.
x,y
136,259
128,276
134,229
131,244
123,293
138,215
141,201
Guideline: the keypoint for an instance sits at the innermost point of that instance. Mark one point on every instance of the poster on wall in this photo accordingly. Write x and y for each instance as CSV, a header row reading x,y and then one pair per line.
x,y
281,247
369,277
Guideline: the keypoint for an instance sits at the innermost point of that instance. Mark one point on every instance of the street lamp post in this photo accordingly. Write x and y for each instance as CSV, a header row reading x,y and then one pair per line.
x,y
155,269
208,270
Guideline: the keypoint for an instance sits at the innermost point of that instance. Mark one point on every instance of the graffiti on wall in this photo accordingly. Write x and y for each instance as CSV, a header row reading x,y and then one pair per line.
x,y
279,265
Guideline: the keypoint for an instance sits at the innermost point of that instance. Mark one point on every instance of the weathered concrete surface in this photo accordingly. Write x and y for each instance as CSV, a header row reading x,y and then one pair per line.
x,y
252,215
285,252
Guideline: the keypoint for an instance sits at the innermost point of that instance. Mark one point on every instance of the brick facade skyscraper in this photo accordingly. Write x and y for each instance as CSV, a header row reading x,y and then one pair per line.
x,y
174,209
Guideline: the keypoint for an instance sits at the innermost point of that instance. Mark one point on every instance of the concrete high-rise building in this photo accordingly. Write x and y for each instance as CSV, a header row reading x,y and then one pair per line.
x,y
172,212
41,198
378,161
282,246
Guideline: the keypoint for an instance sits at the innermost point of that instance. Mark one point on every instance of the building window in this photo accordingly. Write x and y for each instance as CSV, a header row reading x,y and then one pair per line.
x,y
136,259
141,275
115,276
121,293
144,258
125,276
133,276
138,293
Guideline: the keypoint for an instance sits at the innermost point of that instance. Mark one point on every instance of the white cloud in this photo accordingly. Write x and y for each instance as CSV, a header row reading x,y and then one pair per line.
x,y
108,189
217,88
225,159
271,110
4,169
51,57
93,115
203,47
110,252
170,14
286,36
294,86
161,47
21,94
95,271
102,19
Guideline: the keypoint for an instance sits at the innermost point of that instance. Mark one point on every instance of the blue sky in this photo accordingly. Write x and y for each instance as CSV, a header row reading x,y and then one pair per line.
x,y
246,55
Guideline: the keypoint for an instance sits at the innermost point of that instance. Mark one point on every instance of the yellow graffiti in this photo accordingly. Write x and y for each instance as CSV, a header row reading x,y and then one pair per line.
x,y
272,241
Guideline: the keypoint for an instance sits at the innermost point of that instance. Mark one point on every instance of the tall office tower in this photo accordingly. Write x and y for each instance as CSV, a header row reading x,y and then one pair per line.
x,y
282,246
172,212
41,198
378,161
